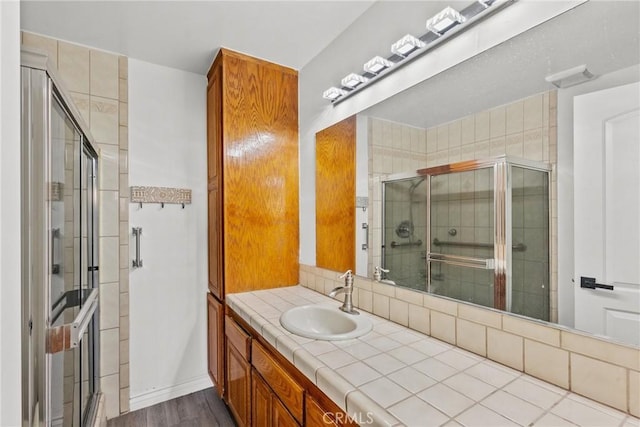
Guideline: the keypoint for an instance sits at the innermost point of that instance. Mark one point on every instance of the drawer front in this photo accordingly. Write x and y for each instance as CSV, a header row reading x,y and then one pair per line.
x,y
285,387
238,338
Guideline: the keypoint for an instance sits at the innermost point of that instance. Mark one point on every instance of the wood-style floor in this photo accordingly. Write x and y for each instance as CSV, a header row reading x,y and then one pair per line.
x,y
201,409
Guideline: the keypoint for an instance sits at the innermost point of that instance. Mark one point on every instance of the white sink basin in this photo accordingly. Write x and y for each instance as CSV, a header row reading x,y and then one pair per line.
x,y
323,322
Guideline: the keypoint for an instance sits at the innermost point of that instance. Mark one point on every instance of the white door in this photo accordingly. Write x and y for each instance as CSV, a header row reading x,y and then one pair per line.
x,y
607,212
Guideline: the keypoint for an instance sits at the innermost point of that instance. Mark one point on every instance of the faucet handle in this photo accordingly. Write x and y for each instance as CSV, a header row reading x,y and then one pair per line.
x,y
346,274
377,273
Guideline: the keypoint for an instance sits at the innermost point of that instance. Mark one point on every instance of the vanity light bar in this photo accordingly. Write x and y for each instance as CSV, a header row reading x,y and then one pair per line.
x,y
444,21
377,64
407,45
333,93
352,80
486,3
440,27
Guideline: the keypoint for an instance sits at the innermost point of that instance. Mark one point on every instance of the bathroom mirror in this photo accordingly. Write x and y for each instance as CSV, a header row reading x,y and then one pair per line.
x,y
495,104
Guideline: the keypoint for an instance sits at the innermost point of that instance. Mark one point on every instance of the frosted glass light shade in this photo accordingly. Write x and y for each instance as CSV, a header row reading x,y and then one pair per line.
x,y
352,80
377,64
445,19
406,45
333,93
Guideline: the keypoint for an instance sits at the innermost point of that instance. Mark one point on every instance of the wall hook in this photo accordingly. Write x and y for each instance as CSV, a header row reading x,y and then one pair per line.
x,y
140,205
162,205
182,205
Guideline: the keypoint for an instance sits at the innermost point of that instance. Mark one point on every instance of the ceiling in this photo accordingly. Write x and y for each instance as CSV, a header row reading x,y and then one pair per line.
x,y
604,35
187,34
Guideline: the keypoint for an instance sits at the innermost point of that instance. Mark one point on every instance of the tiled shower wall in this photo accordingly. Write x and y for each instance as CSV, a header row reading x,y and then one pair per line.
x,y
526,128
97,83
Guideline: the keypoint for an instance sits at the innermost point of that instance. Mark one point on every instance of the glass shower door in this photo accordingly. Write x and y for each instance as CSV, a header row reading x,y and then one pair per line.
x,y
460,259
405,232
72,294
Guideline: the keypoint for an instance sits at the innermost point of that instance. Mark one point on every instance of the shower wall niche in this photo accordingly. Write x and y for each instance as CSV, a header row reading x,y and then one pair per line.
x,y
475,231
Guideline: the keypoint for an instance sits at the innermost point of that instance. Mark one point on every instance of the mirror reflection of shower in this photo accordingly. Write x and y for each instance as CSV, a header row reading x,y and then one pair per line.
x,y
474,231
405,232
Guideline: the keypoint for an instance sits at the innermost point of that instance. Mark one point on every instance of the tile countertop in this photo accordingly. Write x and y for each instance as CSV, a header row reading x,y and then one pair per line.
x,y
395,376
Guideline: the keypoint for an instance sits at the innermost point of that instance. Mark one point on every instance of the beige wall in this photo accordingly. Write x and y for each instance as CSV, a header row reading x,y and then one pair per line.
x,y
97,83
526,128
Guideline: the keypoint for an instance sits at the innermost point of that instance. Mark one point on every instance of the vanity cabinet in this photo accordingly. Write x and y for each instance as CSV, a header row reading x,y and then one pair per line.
x,y
252,185
287,390
215,342
266,390
267,410
238,373
317,416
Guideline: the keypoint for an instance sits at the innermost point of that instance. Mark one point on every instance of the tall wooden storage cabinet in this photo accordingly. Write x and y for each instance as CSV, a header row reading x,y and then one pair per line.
x,y
252,141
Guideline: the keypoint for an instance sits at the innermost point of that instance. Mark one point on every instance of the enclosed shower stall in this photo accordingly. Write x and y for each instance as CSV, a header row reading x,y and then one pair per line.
x,y
60,330
476,231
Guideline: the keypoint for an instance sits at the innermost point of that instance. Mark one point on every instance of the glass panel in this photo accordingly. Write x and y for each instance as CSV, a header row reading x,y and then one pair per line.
x,y
72,194
462,214
463,283
530,291
462,225
88,262
64,250
405,231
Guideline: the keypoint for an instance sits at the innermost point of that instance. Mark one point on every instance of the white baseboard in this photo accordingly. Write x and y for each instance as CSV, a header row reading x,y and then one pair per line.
x,y
162,395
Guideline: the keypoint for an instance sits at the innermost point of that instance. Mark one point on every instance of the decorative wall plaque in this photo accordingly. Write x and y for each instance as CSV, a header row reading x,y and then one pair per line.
x,y
160,195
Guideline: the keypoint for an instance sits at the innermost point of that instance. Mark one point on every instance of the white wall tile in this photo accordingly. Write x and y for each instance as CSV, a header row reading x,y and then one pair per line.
x,y
109,305
109,352
109,218
546,362
600,381
110,387
104,74
73,65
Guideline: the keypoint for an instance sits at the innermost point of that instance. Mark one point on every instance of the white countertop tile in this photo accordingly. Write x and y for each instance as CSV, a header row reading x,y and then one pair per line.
x,y
395,376
358,373
446,399
415,412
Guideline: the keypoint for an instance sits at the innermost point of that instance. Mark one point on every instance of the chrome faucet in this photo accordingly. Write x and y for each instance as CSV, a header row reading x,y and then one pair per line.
x,y
377,273
347,290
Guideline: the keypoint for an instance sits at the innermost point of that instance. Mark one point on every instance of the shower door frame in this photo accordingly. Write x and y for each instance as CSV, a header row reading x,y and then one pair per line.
x,y
502,208
502,205
37,106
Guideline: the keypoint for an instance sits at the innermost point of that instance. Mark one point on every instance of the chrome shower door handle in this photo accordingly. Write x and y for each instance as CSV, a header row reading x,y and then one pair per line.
x,y
137,231
55,235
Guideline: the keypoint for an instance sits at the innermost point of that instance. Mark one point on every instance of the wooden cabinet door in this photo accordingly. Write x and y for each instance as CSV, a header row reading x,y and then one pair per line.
x,y
214,180
280,417
215,339
316,416
238,386
260,401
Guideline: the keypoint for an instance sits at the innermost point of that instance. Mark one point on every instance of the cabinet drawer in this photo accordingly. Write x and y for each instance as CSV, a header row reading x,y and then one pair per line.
x,y
285,387
238,338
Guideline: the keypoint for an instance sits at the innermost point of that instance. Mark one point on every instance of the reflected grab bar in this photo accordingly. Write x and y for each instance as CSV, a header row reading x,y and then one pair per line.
x,y
521,247
462,261
398,245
